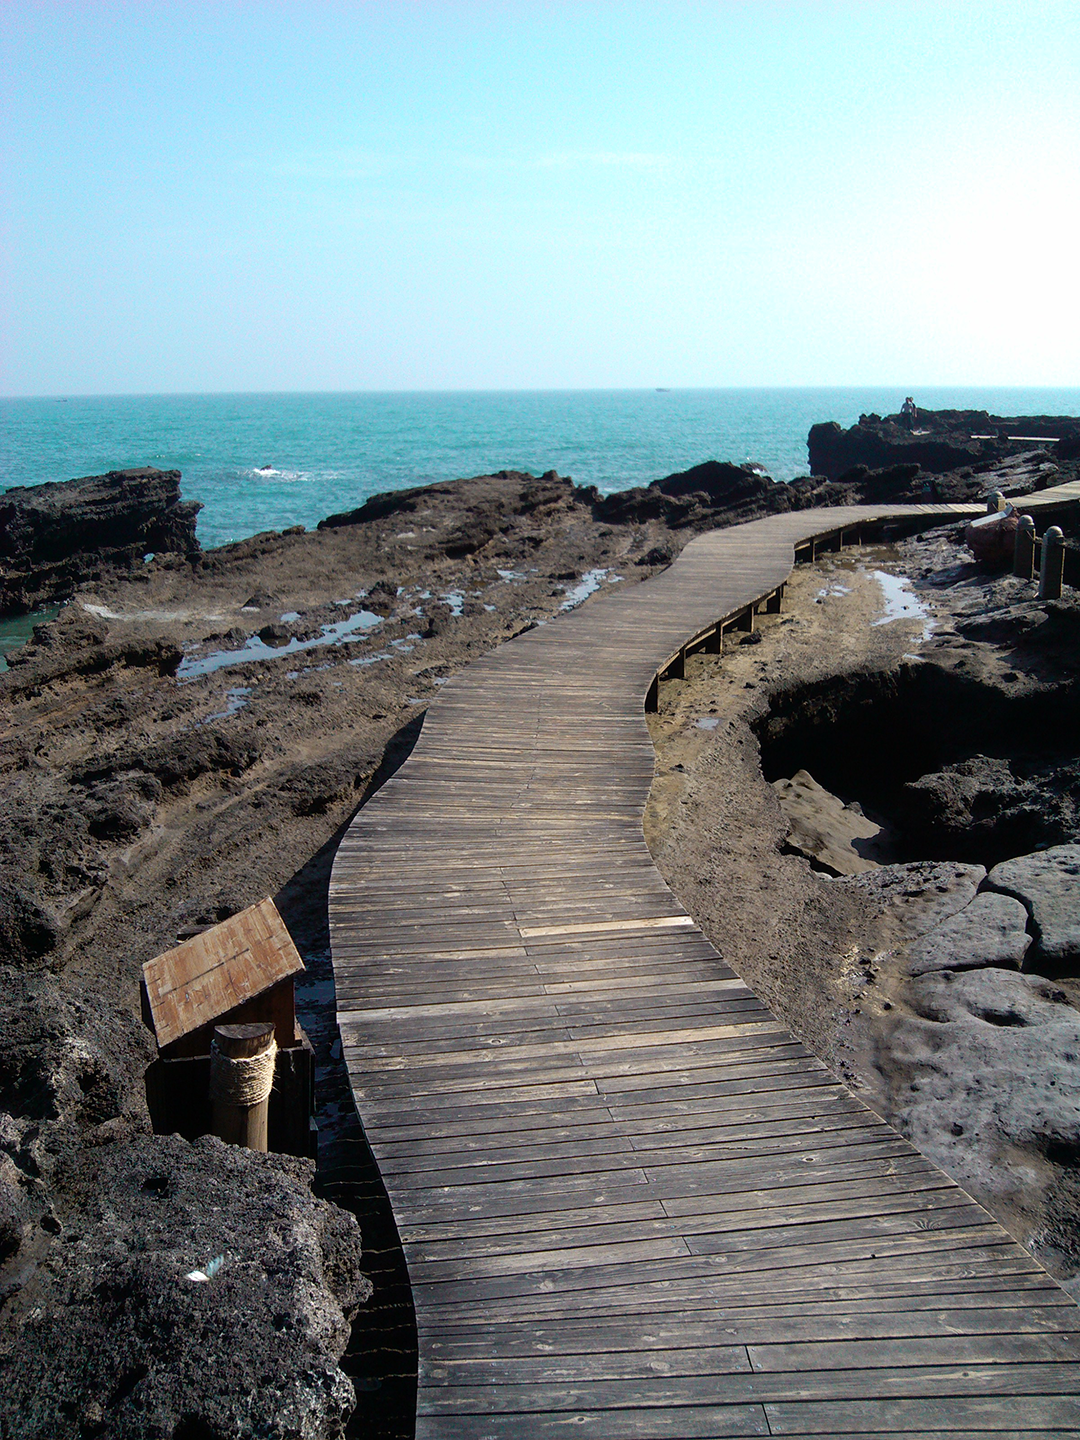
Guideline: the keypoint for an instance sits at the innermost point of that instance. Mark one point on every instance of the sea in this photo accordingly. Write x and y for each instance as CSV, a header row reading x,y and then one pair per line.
x,y
267,461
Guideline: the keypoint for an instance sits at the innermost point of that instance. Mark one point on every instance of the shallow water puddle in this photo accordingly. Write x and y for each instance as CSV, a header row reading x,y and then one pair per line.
x,y
900,602
235,700
256,649
18,630
589,583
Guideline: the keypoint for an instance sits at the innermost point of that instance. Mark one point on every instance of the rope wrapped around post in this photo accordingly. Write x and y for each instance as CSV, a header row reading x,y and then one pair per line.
x,y
242,1061
244,1080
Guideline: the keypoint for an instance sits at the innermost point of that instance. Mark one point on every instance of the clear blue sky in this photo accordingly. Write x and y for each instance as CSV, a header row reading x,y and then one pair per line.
x,y
306,196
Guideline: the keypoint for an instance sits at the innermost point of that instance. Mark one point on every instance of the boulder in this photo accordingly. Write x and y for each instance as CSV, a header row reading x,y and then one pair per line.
x,y
712,490
978,807
55,536
118,1336
992,538
821,827
879,444
992,930
1048,885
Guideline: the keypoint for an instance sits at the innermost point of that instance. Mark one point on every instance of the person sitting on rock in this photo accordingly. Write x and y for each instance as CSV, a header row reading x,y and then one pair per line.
x,y
909,411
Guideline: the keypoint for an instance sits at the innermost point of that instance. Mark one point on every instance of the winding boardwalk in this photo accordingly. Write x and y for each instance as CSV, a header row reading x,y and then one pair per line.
x,y
632,1205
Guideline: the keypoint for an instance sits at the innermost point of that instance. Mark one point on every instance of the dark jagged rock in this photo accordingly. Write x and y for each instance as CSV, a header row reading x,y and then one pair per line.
x,y
486,506
80,645
983,806
938,441
713,491
114,1338
53,537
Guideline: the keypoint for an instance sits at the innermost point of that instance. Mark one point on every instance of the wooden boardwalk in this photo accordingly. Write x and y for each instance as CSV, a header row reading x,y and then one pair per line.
x,y
632,1205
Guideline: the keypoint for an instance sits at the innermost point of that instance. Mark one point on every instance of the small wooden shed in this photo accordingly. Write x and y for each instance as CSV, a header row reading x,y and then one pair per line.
x,y
239,971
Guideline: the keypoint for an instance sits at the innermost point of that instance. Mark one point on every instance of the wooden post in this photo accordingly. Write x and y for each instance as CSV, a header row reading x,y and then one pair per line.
x,y
241,1078
1024,548
745,621
714,641
1053,564
995,502
775,601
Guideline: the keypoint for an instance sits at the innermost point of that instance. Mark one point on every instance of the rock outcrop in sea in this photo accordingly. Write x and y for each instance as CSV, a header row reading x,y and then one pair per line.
x,y
57,536
938,441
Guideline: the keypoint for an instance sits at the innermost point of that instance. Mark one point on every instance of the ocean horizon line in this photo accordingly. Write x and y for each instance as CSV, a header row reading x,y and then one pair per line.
x,y
835,388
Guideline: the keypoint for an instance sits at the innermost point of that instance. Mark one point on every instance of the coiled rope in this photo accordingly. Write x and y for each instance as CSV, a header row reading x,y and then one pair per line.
x,y
244,1080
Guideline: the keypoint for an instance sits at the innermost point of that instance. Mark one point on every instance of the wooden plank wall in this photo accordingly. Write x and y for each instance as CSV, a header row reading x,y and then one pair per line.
x,y
632,1205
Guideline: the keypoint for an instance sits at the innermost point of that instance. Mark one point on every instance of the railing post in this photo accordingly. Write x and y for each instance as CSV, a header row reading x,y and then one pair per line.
x,y
1024,548
1053,564
995,502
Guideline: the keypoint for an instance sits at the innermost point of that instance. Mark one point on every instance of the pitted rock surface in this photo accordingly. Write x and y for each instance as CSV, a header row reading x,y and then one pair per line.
x,y
1048,884
921,895
992,930
110,1338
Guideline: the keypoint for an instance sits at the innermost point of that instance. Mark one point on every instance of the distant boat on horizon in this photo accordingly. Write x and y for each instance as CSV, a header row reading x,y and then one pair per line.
x,y
663,390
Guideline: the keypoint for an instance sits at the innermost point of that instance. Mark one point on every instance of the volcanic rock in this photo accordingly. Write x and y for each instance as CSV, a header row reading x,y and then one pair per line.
x,y
939,440
713,491
55,536
117,1338
989,1056
992,930
831,834
921,895
976,805
1048,885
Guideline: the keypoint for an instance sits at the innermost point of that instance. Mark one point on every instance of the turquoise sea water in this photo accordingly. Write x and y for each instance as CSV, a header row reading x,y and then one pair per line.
x,y
329,452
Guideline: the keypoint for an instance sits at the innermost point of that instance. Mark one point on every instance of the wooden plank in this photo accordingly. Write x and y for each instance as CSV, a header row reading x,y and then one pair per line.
x,y
976,1416
699,1423
1038,1392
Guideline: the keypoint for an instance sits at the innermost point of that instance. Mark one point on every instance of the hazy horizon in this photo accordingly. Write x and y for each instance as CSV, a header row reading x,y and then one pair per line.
x,y
839,388
441,197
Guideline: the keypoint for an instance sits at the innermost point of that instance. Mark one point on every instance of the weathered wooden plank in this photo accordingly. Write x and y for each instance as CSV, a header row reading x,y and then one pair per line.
x,y
854,1323
975,1416
946,1390
699,1423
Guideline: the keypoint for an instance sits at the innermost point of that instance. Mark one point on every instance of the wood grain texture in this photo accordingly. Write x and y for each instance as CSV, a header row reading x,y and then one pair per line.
x,y
213,973
631,1203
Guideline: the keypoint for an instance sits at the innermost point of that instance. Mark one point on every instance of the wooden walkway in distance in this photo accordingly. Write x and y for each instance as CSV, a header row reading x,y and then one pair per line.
x,y
633,1207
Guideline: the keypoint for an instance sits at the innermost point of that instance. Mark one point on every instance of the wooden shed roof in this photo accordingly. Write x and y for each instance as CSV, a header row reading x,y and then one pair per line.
x,y
206,977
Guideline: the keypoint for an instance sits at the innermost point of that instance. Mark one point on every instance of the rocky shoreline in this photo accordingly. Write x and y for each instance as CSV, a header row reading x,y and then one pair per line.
x,y
871,813
189,735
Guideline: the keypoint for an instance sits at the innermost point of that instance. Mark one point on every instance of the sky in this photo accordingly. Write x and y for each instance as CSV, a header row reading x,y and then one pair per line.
x,y
404,196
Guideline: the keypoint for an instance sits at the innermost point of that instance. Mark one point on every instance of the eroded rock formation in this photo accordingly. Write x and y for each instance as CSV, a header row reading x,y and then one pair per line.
x,y
54,537
937,441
